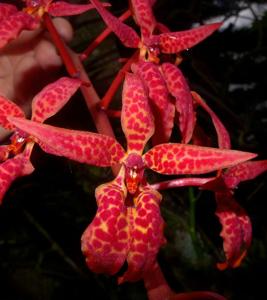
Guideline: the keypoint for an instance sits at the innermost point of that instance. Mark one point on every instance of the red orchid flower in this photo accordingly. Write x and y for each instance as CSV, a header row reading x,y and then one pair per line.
x,y
165,82
16,156
169,42
13,21
122,231
128,208
236,226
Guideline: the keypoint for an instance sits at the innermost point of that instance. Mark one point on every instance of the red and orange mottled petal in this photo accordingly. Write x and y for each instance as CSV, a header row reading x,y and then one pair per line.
x,y
175,42
179,89
242,172
222,134
85,147
236,229
11,169
11,27
53,97
136,116
146,231
105,243
144,17
177,159
126,34
160,102
7,10
9,109
63,9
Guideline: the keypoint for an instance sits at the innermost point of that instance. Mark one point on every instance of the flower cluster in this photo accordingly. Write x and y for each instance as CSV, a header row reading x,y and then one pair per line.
x,y
128,226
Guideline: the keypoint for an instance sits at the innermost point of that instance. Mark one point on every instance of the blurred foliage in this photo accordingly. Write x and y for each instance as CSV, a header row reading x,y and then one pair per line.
x,y
44,214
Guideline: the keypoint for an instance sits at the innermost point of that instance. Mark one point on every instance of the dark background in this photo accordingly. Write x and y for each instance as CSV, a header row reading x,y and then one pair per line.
x,y
43,215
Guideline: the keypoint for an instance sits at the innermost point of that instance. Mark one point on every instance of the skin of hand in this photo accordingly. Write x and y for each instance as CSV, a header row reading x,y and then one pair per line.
x,y
30,62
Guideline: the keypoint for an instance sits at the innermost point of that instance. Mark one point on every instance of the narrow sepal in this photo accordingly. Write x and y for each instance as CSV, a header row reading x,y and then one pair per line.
x,y
9,109
85,147
63,9
146,230
175,42
177,159
7,10
242,172
179,89
11,169
105,243
136,116
236,229
53,97
126,34
160,101
222,134
11,27
144,17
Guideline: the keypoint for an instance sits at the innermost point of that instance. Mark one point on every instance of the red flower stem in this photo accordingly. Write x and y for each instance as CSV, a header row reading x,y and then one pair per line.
x,y
61,47
113,113
102,37
117,82
180,182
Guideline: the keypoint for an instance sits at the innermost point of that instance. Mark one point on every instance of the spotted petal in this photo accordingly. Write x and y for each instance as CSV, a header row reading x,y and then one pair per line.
x,y
179,89
136,116
11,27
6,10
85,147
146,230
223,135
105,243
236,229
242,172
63,9
175,42
9,109
177,159
160,102
144,17
13,168
126,34
53,97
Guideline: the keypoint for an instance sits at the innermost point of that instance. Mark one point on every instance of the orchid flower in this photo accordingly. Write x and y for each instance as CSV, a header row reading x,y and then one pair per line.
x,y
168,42
236,226
128,225
165,82
13,21
15,157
